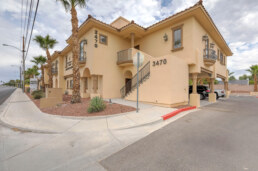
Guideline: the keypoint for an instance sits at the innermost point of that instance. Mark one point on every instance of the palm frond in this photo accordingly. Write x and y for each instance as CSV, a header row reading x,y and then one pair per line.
x,y
66,4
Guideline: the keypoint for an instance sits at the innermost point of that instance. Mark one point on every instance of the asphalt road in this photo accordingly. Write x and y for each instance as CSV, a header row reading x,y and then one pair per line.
x,y
221,136
5,92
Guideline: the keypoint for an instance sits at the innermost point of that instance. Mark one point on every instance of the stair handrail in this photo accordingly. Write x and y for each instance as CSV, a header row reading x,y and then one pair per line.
x,y
144,72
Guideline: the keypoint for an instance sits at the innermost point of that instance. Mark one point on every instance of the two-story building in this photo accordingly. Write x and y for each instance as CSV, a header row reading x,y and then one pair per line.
x,y
184,46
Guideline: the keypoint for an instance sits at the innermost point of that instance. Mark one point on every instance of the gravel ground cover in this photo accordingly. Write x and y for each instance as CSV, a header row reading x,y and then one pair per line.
x,y
80,109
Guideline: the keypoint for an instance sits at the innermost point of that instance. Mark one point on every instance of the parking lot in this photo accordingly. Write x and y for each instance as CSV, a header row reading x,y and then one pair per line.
x,y
220,136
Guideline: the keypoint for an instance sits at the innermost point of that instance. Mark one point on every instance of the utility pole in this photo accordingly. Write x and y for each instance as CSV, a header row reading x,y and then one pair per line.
x,y
20,77
23,64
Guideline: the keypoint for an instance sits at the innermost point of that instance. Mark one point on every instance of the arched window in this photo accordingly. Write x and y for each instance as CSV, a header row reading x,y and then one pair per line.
x,y
82,50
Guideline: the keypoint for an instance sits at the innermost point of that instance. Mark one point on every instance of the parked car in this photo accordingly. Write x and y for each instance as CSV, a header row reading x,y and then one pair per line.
x,y
219,93
202,90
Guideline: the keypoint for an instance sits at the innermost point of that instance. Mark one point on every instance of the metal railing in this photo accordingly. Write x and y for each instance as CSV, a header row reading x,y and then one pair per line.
x,y
54,70
209,54
83,58
68,65
144,74
125,56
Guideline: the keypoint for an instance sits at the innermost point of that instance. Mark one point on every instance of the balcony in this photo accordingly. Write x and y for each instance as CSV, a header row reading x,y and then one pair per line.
x,y
54,71
125,57
209,57
68,65
82,59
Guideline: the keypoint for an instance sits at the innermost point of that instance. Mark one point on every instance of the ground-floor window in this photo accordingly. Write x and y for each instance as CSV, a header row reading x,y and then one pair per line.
x,y
86,84
71,83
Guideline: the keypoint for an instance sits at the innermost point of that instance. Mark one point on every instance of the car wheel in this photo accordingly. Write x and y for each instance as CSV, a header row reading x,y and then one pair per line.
x,y
217,96
202,97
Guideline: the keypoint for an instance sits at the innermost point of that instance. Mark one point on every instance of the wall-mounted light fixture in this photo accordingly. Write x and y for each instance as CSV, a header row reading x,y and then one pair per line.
x,y
165,37
205,37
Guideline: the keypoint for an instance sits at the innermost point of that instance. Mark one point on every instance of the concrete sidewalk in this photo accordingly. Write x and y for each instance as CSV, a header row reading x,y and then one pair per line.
x,y
78,144
22,113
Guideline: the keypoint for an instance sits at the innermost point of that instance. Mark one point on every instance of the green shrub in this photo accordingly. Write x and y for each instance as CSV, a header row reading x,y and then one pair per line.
x,y
36,91
37,94
28,90
96,105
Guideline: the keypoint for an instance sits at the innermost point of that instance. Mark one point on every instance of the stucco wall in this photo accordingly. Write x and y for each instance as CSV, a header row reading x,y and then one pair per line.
x,y
167,84
199,45
104,63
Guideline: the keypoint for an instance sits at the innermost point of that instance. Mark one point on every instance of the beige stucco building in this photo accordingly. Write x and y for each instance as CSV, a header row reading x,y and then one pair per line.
x,y
181,47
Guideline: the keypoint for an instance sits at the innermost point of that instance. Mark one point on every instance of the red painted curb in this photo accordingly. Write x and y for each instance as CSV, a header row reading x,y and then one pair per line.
x,y
169,115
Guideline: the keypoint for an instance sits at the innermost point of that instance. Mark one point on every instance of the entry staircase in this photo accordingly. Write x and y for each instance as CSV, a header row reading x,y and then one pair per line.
x,y
144,74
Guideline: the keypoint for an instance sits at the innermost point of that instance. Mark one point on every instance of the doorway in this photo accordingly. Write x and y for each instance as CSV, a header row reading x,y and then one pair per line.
x,y
128,85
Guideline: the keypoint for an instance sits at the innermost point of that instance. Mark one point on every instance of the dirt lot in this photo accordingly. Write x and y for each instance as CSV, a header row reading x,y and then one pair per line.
x,y
80,109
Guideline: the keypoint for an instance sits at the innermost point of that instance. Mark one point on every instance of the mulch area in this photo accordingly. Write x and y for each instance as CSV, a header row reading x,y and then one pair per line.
x,y
80,109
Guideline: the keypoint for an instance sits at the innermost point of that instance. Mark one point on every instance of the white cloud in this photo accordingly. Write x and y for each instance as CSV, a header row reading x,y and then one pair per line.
x,y
236,19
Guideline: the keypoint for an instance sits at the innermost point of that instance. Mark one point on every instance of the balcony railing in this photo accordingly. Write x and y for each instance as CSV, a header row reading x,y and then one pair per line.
x,y
54,70
125,56
82,59
209,56
69,65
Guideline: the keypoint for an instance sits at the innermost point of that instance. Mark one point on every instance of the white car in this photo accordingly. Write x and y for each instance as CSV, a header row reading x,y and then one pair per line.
x,y
219,93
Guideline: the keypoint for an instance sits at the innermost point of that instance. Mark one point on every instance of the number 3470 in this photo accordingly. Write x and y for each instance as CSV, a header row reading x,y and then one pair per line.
x,y
159,62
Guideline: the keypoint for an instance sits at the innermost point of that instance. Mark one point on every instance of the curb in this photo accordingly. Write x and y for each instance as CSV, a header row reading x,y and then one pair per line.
x,y
22,129
174,113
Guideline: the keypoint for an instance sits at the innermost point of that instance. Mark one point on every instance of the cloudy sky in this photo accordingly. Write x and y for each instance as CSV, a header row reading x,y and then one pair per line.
x,y
236,20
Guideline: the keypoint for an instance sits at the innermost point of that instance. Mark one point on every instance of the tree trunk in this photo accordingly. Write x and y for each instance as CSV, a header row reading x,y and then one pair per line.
x,y
255,83
42,78
76,97
50,76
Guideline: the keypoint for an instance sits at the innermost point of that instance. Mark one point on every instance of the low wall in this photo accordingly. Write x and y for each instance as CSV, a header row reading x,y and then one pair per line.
x,y
236,88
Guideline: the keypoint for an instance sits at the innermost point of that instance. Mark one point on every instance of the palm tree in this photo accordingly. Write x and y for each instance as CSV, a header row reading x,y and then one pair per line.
x,y
231,76
70,5
31,72
40,60
254,71
47,43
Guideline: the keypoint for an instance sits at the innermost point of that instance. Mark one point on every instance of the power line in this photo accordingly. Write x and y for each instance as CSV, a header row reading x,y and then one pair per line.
x,y
35,15
25,16
29,19
21,22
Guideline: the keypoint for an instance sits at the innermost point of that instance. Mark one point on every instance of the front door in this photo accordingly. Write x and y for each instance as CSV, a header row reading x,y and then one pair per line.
x,y
128,84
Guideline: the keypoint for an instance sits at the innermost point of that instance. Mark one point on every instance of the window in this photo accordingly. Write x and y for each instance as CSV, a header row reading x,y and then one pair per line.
x,y
67,84
221,58
82,51
86,84
71,83
103,39
177,38
218,55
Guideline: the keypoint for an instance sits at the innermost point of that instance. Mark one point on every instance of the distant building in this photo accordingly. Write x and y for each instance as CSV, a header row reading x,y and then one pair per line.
x,y
236,82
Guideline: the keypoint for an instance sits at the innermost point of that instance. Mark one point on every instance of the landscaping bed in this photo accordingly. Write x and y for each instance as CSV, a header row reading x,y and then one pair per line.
x,y
81,109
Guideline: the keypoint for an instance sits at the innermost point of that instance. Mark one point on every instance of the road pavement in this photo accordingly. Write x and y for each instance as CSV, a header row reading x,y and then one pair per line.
x,y
221,136
5,92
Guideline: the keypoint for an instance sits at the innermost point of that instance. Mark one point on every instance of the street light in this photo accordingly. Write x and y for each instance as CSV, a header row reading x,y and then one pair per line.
x,y
23,60
13,47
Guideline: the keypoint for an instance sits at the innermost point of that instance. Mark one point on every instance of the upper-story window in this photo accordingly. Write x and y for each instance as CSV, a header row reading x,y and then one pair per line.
x,y
218,55
82,50
177,37
221,58
103,39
